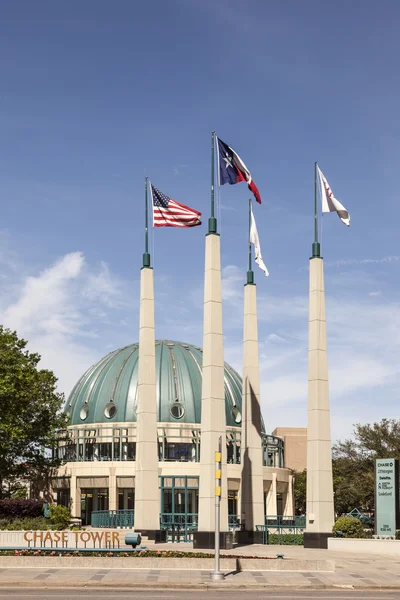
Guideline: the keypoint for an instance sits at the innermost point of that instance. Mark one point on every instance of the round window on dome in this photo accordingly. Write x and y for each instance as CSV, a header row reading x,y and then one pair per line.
x,y
237,415
84,412
110,410
177,410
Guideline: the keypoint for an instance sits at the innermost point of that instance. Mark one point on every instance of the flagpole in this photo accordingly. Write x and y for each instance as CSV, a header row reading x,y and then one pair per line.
x,y
316,248
212,221
250,272
146,255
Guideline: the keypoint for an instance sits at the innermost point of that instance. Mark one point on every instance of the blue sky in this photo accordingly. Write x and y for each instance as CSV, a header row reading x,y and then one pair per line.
x,y
96,95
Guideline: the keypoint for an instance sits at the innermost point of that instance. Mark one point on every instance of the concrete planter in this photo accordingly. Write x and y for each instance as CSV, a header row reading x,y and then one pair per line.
x,y
95,562
361,546
286,564
202,564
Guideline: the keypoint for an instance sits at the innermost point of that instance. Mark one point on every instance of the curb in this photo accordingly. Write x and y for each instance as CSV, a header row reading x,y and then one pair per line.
x,y
192,586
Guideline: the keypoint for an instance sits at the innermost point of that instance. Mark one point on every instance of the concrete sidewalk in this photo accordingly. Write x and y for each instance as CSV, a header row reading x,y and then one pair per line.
x,y
162,579
352,571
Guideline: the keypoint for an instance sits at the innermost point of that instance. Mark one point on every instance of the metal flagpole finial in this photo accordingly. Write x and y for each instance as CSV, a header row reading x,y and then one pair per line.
x,y
250,272
146,255
316,247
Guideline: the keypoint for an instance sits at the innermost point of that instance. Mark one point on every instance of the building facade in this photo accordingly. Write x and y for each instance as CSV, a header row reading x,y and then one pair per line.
x,y
98,449
295,442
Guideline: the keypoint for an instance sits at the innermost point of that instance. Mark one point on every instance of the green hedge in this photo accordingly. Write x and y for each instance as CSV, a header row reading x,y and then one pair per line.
x,y
27,524
286,539
60,517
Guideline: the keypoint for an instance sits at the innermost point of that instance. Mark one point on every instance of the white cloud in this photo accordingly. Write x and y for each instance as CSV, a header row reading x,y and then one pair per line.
x,y
44,303
73,312
366,261
363,345
60,311
105,287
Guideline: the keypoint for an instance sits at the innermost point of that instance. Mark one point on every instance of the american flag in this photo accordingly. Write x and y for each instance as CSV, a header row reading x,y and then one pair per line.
x,y
169,213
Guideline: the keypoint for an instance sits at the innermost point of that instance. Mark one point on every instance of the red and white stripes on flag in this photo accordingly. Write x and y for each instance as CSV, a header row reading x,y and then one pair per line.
x,y
169,213
330,203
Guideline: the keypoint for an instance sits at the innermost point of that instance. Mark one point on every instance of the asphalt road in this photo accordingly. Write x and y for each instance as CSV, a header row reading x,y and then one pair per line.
x,y
169,594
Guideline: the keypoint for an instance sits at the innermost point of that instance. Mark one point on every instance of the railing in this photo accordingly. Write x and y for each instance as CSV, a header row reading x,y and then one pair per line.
x,y
112,518
277,529
175,444
179,527
284,521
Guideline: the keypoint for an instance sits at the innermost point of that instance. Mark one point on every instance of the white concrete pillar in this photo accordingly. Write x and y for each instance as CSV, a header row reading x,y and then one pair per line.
x,y
320,510
289,502
252,497
112,490
75,497
272,508
213,419
147,496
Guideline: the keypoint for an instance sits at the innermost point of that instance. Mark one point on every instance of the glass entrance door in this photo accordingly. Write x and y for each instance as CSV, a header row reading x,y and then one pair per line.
x,y
92,499
126,498
179,507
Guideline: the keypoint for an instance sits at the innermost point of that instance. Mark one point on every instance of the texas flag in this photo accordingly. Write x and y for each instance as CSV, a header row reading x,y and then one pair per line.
x,y
233,170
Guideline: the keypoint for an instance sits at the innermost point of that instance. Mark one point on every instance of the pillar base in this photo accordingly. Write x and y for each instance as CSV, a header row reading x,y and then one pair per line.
x,y
249,537
206,539
316,539
156,535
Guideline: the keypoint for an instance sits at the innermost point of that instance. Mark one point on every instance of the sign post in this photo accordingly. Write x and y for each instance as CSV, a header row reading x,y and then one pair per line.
x,y
216,575
386,496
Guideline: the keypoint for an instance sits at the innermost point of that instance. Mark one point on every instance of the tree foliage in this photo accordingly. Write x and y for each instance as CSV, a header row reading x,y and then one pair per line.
x,y
30,414
353,462
300,487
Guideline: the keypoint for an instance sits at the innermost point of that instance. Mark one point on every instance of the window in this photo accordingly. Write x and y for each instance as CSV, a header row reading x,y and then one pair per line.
x,y
177,410
110,410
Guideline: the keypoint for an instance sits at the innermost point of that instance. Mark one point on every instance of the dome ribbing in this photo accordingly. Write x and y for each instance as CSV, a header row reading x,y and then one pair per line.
x,y
107,392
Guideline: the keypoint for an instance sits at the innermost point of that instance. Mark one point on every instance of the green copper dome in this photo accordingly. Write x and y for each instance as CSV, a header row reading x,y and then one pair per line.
x,y
107,392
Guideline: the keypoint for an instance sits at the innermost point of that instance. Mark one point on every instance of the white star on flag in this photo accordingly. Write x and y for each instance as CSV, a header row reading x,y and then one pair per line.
x,y
228,161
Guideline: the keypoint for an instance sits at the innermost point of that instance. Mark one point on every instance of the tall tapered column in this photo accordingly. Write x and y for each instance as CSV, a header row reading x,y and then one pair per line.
x,y
213,419
147,496
252,493
320,509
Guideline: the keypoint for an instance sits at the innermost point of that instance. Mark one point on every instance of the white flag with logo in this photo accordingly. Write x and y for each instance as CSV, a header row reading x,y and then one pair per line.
x,y
330,203
254,239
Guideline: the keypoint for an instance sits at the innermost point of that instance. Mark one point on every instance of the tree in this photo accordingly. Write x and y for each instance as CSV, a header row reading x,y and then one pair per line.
x,y
300,488
353,477
353,464
30,414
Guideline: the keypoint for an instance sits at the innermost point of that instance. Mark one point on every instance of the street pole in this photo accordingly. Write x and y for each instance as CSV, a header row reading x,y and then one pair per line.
x,y
216,575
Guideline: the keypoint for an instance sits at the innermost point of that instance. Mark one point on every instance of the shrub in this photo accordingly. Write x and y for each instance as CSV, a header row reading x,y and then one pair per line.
x,y
18,508
286,539
60,516
348,527
37,523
